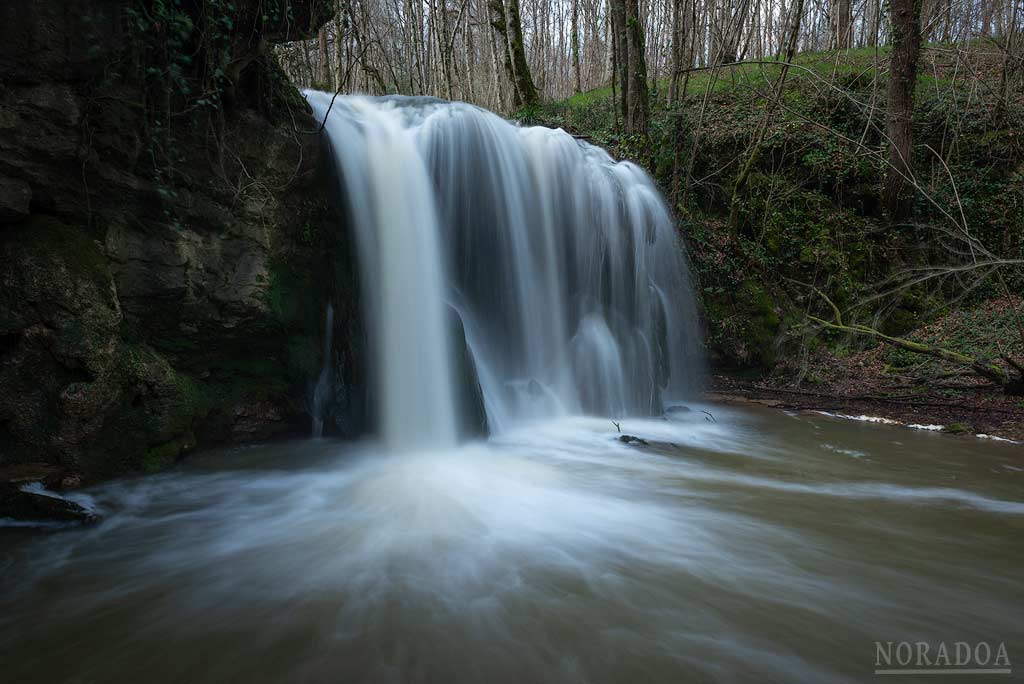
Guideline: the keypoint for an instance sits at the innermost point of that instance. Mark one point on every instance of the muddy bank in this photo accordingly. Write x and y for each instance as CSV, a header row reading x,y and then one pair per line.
x,y
996,416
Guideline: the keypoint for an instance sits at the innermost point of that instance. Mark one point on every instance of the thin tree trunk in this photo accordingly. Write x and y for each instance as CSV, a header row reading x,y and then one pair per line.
x,y
677,50
842,24
906,46
638,104
575,38
505,20
618,16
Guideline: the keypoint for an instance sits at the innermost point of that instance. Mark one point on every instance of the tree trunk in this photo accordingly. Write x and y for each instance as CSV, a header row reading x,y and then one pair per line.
x,y
677,48
874,9
324,59
632,65
445,39
506,22
639,105
898,194
617,12
842,24
524,81
500,26
339,67
575,38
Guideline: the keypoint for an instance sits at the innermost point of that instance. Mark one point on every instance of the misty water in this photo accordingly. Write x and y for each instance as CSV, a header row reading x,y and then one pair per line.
x,y
764,547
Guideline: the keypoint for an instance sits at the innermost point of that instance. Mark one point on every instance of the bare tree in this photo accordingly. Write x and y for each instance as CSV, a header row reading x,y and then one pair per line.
x,y
632,66
505,20
906,48
842,24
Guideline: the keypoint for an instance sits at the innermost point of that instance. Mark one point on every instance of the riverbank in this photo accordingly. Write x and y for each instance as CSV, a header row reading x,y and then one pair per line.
x,y
995,416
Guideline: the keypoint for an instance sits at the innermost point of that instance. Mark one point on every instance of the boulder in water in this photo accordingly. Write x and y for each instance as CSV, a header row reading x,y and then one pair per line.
x,y
633,440
36,504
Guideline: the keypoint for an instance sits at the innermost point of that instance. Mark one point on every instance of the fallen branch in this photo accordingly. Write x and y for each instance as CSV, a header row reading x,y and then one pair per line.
x,y
997,374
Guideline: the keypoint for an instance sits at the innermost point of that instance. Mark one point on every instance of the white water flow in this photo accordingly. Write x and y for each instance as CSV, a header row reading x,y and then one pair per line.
x,y
562,265
762,548
323,380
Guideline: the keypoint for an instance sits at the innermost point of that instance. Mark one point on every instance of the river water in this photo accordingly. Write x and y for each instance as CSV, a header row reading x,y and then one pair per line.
x,y
764,546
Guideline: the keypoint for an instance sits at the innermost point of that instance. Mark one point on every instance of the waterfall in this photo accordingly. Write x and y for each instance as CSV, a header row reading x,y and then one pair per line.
x,y
322,387
562,266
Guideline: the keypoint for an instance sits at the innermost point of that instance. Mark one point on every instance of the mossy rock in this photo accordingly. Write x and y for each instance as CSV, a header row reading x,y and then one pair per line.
x,y
163,456
760,322
960,429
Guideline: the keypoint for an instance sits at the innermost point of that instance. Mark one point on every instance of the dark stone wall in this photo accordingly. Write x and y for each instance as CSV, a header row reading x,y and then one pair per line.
x,y
164,263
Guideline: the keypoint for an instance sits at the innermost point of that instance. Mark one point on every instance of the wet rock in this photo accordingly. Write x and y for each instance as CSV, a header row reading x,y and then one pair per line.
x,y
66,481
15,196
22,473
257,420
52,477
40,505
633,440
677,409
145,302
472,414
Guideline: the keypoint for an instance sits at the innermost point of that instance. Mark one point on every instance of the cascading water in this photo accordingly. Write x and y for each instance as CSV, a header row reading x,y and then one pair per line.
x,y
562,265
322,387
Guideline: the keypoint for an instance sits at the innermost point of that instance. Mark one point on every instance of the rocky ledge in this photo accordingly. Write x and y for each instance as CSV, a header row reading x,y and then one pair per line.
x,y
161,252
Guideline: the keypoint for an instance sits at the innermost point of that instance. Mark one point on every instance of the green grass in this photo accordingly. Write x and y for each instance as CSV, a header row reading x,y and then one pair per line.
x,y
851,69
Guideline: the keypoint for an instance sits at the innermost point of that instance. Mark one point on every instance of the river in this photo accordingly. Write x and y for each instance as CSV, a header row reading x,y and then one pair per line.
x,y
746,546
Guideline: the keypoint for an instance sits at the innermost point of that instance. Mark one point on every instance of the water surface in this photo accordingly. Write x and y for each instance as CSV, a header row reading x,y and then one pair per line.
x,y
761,547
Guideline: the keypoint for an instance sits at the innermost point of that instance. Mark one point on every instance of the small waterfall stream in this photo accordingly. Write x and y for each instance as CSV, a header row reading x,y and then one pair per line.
x,y
322,386
562,265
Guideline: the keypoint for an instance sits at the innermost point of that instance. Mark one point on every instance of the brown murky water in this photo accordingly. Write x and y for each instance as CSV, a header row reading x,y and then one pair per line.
x,y
763,547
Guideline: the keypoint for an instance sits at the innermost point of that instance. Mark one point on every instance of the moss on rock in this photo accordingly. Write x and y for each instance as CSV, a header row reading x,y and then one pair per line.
x,y
161,293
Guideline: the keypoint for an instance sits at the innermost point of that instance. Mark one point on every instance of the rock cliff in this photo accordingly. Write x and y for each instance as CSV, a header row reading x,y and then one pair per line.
x,y
160,232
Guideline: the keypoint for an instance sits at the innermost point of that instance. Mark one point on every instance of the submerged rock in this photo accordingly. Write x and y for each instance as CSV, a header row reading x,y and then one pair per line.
x,y
677,409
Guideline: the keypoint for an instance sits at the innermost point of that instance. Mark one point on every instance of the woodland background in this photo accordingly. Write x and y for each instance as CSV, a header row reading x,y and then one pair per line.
x,y
845,172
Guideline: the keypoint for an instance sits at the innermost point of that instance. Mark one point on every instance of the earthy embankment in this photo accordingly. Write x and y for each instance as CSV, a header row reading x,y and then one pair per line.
x,y
995,416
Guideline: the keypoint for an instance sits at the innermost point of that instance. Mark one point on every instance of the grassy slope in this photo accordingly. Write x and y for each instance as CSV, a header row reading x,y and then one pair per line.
x,y
811,213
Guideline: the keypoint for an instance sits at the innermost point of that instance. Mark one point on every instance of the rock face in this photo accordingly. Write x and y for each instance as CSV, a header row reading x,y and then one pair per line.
x,y
160,257
469,395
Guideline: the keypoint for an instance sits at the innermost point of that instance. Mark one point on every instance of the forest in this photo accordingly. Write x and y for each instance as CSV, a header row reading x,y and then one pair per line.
x,y
859,163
